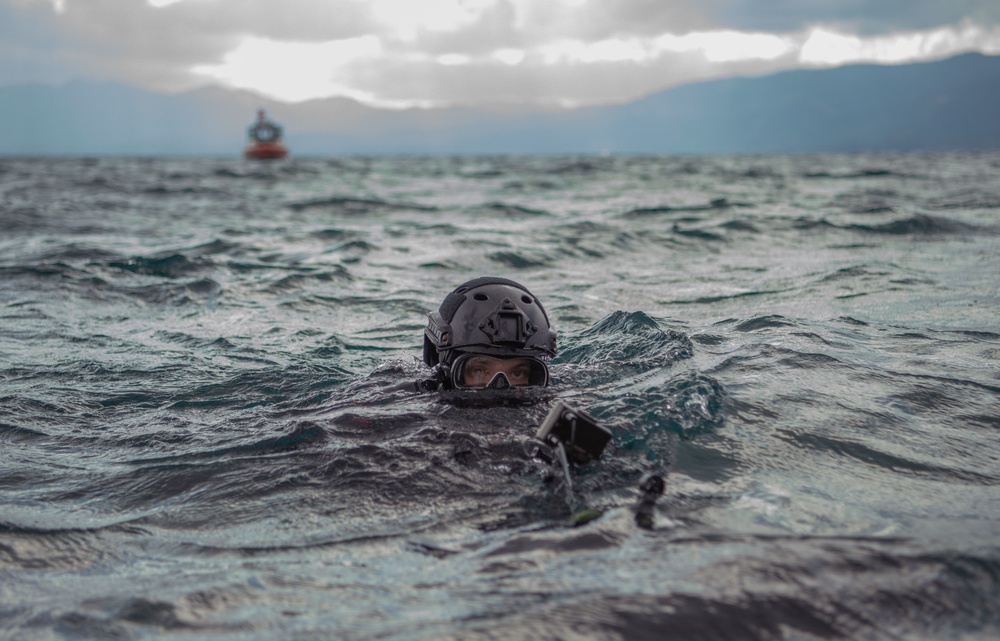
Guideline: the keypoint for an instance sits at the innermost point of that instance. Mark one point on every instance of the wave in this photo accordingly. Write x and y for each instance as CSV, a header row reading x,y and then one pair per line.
x,y
167,266
519,260
580,167
770,321
631,338
853,175
10,433
356,206
868,201
739,224
309,277
704,300
868,603
507,210
530,185
967,199
919,225
303,435
23,219
204,291
713,205
333,234
175,190
883,460
68,253
688,405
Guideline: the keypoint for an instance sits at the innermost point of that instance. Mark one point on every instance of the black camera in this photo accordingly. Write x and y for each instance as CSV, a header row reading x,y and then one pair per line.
x,y
582,438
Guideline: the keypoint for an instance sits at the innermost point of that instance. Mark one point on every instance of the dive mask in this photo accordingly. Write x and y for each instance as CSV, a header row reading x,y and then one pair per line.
x,y
475,371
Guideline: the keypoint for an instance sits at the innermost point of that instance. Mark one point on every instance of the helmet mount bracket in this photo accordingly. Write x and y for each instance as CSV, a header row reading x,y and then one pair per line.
x,y
507,324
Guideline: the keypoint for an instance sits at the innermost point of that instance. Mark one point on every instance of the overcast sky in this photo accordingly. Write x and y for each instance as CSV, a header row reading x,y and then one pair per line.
x,y
397,53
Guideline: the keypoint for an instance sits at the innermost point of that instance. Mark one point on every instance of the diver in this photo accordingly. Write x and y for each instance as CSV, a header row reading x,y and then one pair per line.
x,y
488,333
491,336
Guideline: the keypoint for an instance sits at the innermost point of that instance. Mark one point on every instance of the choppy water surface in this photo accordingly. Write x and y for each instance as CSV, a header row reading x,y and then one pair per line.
x,y
201,439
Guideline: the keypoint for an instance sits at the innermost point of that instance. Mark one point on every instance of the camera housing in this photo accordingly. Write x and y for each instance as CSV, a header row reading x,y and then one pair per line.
x,y
581,436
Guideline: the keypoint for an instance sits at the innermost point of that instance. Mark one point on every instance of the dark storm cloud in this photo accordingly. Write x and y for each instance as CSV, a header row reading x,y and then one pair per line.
x,y
109,38
869,17
599,19
467,51
190,31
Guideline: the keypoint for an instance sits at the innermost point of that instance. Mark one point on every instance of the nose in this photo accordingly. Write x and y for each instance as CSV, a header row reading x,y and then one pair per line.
x,y
499,381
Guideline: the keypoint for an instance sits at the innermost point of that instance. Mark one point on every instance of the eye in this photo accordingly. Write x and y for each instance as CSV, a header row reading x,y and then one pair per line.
x,y
477,370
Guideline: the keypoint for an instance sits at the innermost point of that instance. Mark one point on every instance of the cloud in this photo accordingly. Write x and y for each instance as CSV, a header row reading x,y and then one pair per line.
x,y
435,52
824,47
294,71
573,72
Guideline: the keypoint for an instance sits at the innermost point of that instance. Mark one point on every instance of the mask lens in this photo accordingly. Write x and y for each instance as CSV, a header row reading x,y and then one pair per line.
x,y
476,370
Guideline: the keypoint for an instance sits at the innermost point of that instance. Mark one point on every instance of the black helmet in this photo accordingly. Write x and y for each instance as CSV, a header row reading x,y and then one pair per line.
x,y
489,316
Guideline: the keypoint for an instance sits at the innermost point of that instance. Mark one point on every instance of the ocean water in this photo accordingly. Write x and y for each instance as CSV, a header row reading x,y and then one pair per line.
x,y
203,436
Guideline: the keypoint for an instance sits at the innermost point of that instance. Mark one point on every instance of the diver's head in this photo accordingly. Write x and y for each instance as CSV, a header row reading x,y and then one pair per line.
x,y
490,332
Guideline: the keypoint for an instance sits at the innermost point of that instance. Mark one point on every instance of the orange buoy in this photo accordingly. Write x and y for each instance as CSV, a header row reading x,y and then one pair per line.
x,y
264,140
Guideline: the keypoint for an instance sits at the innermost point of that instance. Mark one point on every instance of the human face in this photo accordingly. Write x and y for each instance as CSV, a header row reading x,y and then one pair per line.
x,y
481,371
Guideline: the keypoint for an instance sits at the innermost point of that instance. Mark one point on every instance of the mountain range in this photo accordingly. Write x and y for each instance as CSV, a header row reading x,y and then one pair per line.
x,y
942,105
